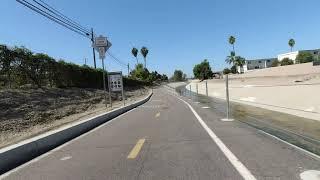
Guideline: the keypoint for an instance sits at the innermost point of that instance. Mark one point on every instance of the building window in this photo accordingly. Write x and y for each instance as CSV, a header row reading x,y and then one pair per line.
x,y
315,52
268,60
259,61
249,62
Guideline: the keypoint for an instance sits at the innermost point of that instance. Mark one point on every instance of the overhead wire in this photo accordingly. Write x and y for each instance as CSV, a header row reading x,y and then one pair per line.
x,y
51,13
58,13
62,18
118,60
53,18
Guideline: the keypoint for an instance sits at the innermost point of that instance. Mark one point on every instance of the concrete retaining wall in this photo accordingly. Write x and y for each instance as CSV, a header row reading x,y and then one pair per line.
x,y
13,157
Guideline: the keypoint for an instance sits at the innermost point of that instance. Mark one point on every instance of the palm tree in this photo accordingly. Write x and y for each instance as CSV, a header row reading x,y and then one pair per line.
x,y
291,43
144,51
232,40
231,59
240,61
134,52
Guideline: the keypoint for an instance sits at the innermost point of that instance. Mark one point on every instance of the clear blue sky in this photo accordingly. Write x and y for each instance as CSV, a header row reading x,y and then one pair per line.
x,y
178,33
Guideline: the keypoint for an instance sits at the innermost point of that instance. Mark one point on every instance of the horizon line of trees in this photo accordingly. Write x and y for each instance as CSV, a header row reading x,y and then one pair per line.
x,y
141,71
20,66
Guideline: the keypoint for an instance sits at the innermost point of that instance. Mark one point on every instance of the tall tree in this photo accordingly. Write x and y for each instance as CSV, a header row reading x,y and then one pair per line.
x,y
203,70
240,61
231,58
144,51
178,76
6,61
134,52
232,40
291,43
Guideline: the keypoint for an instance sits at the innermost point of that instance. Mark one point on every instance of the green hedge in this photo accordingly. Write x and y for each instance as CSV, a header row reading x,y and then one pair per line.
x,y
19,66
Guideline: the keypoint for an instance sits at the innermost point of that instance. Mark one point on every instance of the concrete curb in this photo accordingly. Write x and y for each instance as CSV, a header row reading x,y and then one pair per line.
x,y
16,155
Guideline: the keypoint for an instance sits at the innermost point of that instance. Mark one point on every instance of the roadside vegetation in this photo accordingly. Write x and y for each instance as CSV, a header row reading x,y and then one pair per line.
x,y
20,67
141,72
286,61
178,76
38,92
234,59
203,70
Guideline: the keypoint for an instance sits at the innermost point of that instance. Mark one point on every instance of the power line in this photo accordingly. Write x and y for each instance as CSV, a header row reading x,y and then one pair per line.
x,y
53,18
118,61
44,9
62,18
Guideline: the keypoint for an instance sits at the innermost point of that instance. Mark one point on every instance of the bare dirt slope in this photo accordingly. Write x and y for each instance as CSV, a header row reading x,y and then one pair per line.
x,y
24,113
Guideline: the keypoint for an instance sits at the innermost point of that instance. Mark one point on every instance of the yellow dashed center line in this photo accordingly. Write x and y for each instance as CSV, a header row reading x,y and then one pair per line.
x,y
157,115
136,149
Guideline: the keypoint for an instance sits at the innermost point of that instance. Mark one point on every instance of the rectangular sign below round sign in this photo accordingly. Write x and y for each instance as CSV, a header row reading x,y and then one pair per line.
x,y
116,83
102,52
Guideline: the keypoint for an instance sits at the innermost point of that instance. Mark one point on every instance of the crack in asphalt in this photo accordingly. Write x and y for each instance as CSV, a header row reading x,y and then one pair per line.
x,y
143,160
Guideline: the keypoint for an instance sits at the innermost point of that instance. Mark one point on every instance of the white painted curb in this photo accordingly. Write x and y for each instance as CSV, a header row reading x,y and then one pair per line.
x,y
17,154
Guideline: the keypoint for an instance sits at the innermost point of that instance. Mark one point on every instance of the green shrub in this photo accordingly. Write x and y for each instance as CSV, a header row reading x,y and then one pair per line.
x,y
286,61
304,57
234,69
19,66
226,71
202,70
275,63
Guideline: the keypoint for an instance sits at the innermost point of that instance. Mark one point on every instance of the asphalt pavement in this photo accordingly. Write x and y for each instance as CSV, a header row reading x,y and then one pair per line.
x,y
170,137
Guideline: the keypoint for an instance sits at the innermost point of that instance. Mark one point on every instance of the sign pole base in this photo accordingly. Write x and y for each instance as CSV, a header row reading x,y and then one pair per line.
x,y
227,120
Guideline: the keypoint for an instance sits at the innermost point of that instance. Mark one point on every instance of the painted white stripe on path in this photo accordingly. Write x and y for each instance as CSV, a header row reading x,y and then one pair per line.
x,y
243,171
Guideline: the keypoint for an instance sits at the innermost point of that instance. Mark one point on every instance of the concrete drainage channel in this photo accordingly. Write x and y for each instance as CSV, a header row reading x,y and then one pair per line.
x,y
304,142
16,155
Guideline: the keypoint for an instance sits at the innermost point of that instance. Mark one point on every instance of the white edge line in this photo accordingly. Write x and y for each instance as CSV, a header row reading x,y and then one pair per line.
x,y
281,140
297,147
60,147
243,171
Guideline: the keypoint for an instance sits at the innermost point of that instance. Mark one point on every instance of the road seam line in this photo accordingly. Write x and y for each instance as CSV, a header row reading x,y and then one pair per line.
x,y
136,149
243,171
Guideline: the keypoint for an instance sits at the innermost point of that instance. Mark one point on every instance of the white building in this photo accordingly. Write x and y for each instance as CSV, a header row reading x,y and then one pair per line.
x,y
256,64
266,63
293,55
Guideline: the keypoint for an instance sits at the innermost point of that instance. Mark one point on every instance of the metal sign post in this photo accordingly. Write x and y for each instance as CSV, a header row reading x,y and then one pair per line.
x,y
109,84
207,88
104,83
197,88
116,84
123,97
227,95
227,99
101,44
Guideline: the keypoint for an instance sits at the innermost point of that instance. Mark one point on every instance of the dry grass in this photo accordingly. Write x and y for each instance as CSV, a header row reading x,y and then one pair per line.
x,y
27,112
